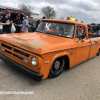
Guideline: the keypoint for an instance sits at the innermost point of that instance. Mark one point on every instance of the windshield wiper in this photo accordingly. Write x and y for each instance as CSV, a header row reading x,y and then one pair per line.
x,y
38,31
48,32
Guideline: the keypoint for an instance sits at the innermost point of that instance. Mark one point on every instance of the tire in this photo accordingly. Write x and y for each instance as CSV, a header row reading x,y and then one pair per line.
x,y
57,67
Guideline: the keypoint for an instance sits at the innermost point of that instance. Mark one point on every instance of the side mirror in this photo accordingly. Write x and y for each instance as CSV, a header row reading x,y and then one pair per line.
x,y
82,36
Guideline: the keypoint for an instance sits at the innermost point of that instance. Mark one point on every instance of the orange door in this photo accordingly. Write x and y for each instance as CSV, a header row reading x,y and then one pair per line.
x,y
94,48
83,51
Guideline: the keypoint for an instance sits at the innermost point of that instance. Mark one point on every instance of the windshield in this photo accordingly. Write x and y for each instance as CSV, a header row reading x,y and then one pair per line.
x,y
59,29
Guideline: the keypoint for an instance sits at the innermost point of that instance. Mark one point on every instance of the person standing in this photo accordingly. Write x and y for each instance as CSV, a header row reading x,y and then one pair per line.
x,y
68,18
23,18
94,29
25,25
6,22
18,24
22,23
98,28
37,24
76,20
91,29
39,21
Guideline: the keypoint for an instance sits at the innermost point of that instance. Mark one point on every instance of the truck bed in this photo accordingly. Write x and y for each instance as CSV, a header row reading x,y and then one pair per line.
x,y
93,36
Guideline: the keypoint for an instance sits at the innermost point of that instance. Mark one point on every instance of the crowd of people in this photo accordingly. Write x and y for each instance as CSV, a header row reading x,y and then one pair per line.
x,y
68,18
20,26
94,29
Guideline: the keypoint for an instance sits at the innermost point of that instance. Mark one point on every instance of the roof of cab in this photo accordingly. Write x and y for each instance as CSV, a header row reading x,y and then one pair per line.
x,y
64,21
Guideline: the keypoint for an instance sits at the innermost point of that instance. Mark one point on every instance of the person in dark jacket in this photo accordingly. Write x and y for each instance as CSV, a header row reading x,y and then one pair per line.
x,y
18,24
39,21
6,22
37,24
94,28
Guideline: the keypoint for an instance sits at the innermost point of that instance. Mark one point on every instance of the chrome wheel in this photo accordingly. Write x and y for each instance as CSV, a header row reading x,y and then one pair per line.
x,y
57,64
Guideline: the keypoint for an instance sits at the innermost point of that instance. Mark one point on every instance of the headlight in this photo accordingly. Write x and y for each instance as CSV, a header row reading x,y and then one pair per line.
x,y
33,61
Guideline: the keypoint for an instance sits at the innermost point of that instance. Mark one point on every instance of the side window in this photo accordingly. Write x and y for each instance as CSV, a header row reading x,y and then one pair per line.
x,y
76,36
69,30
80,30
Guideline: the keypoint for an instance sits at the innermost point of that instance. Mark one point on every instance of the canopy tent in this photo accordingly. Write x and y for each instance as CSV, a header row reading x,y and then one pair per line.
x,y
13,13
71,19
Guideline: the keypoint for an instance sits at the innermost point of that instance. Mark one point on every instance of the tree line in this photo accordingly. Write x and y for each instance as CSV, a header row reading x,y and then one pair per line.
x,y
47,11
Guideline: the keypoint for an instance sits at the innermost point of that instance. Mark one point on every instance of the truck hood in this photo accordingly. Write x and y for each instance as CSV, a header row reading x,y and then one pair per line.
x,y
39,43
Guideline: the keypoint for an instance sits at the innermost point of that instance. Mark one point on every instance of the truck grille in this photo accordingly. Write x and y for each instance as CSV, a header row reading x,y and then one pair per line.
x,y
20,52
6,46
14,51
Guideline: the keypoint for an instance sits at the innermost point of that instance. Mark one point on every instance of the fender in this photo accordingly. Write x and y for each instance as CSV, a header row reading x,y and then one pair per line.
x,y
60,55
55,56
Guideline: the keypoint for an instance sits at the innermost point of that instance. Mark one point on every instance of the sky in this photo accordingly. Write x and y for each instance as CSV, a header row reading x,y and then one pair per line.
x,y
87,11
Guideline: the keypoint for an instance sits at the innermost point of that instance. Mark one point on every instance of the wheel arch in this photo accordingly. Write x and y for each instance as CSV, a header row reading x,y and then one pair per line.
x,y
65,56
64,60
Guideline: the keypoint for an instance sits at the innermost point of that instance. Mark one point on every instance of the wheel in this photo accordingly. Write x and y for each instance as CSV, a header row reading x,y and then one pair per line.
x,y
98,53
57,68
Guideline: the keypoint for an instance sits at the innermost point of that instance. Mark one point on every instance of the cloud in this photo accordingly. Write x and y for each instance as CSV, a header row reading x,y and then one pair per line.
x,y
84,10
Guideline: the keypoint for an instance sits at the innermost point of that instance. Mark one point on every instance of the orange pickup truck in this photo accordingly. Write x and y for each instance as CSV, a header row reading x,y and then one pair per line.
x,y
54,45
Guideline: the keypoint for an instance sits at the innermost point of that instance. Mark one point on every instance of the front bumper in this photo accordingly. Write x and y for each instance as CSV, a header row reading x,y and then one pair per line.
x,y
34,75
